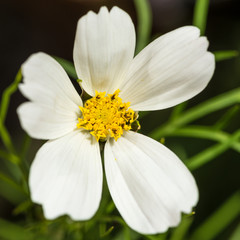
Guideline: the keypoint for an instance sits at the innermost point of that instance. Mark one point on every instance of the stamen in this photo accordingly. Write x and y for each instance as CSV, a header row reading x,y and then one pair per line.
x,y
106,116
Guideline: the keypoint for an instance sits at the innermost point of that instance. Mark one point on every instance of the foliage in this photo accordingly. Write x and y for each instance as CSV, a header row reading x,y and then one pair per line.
x,y
107,224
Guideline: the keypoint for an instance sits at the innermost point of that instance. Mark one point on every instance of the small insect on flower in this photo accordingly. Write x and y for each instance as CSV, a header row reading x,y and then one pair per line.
x,y
148,183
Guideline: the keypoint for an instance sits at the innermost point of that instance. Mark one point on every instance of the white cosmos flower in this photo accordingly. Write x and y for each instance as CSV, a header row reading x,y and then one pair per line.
x,y
149,185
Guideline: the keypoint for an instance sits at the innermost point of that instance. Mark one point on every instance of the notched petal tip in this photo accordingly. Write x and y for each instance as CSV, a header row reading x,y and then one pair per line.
x,y
150,186
33,59
191,28
72,180
103,10
103,49
172,69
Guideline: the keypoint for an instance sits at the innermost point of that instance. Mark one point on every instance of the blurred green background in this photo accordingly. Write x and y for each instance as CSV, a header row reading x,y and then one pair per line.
x,y
27,27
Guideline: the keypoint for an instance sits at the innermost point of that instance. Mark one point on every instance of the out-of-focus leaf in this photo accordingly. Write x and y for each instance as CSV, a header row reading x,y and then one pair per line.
x,y
211,153
200,14
107,232
10,231
110,207
102,228
10,190
144,27
7,93
162,236
204,132
9,156
225,119
222,101
12,88
143,114
180,232
236,234
225,55
6,139
68,67
126,230
22,207
10,182
178,110
122,235
219,220
25,145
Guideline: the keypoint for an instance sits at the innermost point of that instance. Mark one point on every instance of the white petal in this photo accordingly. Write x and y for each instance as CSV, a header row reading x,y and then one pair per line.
x,y
104,47
54,106
66,176
148,183
172,69
45,123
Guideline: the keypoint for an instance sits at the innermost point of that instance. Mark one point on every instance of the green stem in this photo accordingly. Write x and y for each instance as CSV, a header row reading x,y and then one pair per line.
x,y
226,118
200,14
177,110
144,16
219,220
7,95
211,153
206,133
5,136
222,101
6,139
10,157
11,183
225,55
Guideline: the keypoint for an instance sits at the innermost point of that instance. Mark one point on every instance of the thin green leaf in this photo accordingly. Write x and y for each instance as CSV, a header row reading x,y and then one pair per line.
x,y
206,133
126,229
106,233
9,157
10,183
19,170
144,17
162,236
236,234
178,110
205,156
200,14
211,153
10,190
23,207
180,232
25,145
222,101
24,149
6,139
7,95
10,231
68,67
225,55
219,102
219,220
227,117
110,207
113,219
102,228
122,235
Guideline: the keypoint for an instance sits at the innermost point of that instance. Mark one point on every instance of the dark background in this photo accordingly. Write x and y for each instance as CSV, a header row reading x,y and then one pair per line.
x,y
27,27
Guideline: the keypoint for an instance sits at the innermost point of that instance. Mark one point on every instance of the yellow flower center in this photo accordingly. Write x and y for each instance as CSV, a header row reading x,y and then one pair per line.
x,y
106,116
